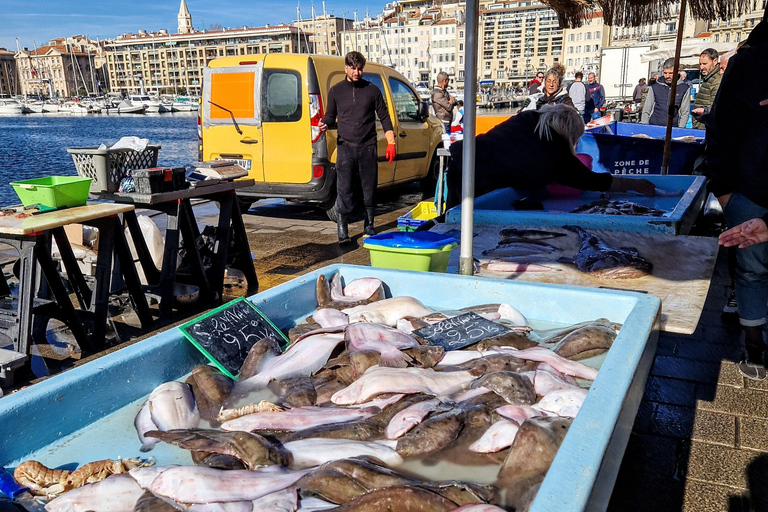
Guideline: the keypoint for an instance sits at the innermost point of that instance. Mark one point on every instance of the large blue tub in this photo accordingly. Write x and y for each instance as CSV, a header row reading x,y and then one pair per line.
x,y
86,414
615,150
498,208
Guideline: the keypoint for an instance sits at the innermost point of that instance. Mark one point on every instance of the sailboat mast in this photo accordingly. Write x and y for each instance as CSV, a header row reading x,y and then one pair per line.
x,y
90,64
298,17
18,68
325,17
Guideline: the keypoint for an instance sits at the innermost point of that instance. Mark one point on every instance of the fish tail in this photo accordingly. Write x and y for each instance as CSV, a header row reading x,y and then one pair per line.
x,y
395,359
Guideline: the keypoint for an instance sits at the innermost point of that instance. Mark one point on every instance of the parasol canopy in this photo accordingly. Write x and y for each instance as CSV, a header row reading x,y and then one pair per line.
x,y
691,48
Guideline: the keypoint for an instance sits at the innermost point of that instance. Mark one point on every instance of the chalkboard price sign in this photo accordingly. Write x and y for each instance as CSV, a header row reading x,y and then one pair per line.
x,y
226,334
460,331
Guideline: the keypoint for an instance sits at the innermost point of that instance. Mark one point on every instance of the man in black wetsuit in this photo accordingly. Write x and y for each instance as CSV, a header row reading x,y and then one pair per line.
x,y
355,102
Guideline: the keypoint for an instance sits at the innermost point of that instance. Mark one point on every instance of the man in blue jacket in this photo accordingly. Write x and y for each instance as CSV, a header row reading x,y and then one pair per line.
x,y
596,101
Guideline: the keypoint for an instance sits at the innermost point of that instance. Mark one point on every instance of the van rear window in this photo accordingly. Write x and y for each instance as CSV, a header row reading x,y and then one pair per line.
x,y
235,92
282,96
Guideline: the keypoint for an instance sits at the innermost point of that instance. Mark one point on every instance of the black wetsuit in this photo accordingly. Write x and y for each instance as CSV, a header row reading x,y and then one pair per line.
x,y
356,105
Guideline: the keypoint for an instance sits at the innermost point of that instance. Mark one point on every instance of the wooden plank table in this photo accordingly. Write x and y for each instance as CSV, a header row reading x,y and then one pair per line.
x,y
31,236
182,225
682,268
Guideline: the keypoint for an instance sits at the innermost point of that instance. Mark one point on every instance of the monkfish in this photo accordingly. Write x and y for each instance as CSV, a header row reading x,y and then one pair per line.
x,y
603,261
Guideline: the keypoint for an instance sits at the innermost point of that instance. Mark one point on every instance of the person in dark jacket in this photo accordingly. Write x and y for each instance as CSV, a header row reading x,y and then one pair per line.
x,y
596,98
531,150
709,65
553,93
657,101
737,163
356,102
637,94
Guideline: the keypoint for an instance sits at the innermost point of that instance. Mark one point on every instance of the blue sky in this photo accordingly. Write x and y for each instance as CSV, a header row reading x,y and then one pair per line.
x,y
38,21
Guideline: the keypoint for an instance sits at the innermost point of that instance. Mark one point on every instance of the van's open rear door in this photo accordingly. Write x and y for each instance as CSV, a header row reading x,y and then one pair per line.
x,y
232,116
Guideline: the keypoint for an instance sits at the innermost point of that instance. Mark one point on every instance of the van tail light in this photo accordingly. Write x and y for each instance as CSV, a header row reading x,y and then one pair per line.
x,y
315,116
199,134
317,171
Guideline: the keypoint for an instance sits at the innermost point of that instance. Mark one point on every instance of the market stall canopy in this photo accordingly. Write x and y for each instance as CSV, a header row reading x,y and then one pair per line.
x,y
634,13
689,48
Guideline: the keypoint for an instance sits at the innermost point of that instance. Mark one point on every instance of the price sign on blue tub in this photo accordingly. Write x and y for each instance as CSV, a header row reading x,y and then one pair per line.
x,y
461,331
226,334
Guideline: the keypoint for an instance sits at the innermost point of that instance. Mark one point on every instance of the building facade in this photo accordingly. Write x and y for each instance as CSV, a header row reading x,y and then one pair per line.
x,y
517,39
444,37
324,32
160,62
9,77
736,30
64,68
583,45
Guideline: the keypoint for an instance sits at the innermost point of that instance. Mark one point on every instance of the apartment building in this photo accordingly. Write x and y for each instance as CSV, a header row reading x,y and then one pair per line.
x,y
583,45
737,29
517,39
173,63
444,43
655,33
9,77
64,68
324,32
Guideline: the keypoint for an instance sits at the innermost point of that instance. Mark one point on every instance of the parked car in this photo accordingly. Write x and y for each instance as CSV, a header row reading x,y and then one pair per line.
x,y
262,111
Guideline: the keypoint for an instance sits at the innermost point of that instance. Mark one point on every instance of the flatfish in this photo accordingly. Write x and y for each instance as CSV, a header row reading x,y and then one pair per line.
x,y
618,207
528,234
520,248
601,260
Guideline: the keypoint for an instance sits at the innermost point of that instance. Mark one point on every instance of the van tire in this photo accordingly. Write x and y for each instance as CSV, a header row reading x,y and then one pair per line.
x,y
429,182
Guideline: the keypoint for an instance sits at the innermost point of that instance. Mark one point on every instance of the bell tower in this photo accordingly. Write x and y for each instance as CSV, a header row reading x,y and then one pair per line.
x,y
185,19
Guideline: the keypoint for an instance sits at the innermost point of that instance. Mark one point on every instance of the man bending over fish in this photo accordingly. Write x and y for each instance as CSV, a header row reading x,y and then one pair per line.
x,y
531,150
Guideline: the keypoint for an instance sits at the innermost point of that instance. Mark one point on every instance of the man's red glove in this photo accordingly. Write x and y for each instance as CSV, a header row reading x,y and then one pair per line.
x,y
391,153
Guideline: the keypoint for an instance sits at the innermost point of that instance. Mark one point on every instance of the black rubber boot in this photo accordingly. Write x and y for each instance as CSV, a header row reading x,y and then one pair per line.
x,y
754,343
343,230
368,225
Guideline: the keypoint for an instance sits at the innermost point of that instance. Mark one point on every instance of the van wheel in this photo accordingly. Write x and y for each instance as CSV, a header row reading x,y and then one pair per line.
x,y
429,182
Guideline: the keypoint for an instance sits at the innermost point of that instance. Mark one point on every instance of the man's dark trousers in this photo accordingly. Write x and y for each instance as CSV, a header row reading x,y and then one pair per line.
x,y
353,159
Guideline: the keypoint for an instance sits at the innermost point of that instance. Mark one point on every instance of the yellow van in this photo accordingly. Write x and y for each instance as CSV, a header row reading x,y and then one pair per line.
x,y
262,111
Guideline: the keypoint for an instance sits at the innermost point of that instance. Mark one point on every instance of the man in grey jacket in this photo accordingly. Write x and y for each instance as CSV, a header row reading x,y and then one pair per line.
x,y
442,102
657,101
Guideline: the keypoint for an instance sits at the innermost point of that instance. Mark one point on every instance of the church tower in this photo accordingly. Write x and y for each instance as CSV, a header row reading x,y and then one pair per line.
x,y
185,19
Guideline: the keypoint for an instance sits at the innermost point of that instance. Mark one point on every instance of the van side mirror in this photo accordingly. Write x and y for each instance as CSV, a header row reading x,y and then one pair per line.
x,y
423,110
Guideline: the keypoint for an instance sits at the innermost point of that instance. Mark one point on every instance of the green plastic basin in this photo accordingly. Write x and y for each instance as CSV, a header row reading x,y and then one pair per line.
x,y
53,192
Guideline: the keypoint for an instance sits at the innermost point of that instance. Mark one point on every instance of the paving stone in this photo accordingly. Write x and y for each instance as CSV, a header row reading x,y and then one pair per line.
x,y
687,369
753,433
264,231
707,497
701,350
670,391
737,401
666,345
721,333
644,418
673,421
730,376
714,427
719,464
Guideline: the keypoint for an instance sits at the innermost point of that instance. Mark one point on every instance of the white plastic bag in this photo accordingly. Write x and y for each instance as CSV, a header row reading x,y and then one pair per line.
x,y
155,243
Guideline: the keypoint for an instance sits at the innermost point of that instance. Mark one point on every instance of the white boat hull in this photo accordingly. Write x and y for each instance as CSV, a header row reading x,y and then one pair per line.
x,y
10,110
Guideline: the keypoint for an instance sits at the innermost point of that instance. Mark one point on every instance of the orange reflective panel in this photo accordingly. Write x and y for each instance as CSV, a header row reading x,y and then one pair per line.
x,y
233,91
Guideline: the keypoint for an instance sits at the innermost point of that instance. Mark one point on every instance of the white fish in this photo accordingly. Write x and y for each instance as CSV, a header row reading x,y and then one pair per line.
x,y
454,357
227,506
144,424
197,484
548,379
377,380
500,435
519,413
310,504
302,359
172,406
512,315
512,267
357,290
381,403
564,402
388,311
544,355
313,452
370,337
409,417
286,500
329,317
298,418
117,493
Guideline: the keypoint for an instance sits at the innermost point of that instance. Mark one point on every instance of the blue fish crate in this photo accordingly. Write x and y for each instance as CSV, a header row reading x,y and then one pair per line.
x,y
638,149
86,414
498,208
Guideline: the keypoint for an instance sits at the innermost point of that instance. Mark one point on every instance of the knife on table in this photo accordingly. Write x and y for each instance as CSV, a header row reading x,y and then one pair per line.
x,y
17,493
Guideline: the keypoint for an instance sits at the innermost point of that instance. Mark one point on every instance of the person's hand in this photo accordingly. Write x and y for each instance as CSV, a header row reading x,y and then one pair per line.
x,y
764,103
640,185
697,111
322,126
751,232
391,153
597,110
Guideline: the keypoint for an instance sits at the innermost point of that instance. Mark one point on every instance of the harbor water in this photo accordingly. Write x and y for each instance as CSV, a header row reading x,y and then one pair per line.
x,y
35,145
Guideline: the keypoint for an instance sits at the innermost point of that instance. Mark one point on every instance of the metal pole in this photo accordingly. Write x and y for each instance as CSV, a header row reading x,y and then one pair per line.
x,y
466,261
673,91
